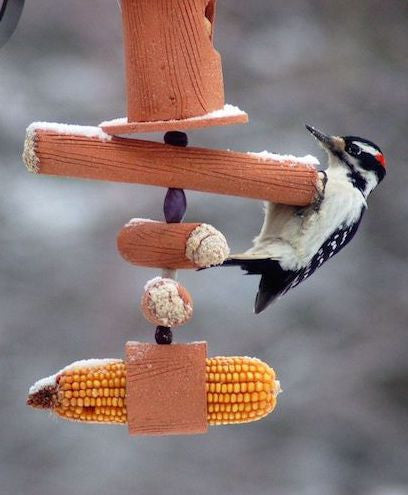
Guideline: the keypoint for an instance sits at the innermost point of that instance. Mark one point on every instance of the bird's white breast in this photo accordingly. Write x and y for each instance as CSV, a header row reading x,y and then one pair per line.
x,y
294,238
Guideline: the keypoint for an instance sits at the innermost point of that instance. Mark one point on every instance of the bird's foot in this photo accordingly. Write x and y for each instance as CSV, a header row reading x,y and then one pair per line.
x,y
320,190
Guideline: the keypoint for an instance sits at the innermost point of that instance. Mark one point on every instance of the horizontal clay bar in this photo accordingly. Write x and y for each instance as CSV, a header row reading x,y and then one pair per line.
x,y
89,153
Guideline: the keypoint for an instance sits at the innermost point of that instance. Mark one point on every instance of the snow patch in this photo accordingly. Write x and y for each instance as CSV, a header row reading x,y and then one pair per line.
x,y
155,280
301,160
226,111
76,130
135,221
118,121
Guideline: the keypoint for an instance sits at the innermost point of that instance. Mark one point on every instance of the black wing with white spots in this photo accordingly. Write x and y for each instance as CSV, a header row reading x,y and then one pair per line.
x,y
335,243
275,281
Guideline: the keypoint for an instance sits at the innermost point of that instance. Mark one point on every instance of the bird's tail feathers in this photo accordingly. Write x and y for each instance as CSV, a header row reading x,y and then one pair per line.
x,y
270,288
274,280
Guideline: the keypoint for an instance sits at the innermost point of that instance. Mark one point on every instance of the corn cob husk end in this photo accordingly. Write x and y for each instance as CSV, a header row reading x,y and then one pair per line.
x,y
47,393
44,398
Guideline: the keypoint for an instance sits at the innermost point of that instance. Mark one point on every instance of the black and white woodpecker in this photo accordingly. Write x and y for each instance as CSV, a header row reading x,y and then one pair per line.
x,y
294,242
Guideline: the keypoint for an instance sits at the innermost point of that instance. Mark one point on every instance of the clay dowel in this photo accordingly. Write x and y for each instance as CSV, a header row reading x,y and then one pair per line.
x,y
89,153
171,245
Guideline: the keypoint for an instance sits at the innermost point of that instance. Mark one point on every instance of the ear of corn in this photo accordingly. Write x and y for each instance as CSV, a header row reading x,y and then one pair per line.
x,y
93,395
239,390
93,391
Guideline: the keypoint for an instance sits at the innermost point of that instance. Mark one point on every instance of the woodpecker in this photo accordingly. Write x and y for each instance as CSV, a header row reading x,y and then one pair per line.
x,y
293,241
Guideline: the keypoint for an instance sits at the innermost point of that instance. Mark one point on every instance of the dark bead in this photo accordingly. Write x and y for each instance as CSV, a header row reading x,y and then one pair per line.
x,y
176,138
163,335
175,205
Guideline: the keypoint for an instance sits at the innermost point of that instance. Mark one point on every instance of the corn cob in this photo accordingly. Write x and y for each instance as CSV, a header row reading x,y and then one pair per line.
x,y
239,390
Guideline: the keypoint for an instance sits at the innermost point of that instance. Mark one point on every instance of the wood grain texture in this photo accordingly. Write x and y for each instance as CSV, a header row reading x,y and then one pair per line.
x,y
156,244
172,68
166,388
145,162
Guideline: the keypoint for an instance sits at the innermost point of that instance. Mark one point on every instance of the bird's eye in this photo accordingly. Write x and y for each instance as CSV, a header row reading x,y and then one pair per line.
x,y
353,149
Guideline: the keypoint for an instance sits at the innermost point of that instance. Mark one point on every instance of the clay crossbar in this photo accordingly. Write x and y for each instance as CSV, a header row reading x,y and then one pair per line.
x,y
89,153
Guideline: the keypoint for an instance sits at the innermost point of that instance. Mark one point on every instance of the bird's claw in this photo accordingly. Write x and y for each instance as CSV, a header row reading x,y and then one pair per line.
x,y
320,190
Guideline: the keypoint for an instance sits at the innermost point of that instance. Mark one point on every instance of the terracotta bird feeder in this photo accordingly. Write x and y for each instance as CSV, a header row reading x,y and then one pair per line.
x,y
173,72
174,82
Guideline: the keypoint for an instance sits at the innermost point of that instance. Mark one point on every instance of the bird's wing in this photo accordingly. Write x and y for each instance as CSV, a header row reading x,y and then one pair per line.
x,y
279,221
275,280
280,226
272,285
335,243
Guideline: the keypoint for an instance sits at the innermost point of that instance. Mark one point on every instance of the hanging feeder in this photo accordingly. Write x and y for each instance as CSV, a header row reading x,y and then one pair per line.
x,y
174,82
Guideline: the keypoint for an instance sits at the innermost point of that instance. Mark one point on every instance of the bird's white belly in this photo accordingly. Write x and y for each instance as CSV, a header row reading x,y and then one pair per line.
x,y
294,239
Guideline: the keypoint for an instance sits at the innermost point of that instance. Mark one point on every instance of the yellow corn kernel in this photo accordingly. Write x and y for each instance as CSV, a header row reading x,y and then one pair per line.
x,y
249,383
95,383
239,390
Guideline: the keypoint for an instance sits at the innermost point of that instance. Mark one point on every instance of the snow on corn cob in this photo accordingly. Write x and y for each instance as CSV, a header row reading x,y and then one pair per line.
x,y
239,390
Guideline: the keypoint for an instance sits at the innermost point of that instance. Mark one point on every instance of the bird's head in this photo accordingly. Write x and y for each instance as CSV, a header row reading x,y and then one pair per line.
x,y
363,160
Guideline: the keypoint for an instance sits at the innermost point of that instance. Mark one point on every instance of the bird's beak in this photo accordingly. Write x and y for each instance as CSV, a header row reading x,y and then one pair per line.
x,y
334,144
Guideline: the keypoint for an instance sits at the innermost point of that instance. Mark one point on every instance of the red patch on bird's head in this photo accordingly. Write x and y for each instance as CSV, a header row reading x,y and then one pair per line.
x,y
380,158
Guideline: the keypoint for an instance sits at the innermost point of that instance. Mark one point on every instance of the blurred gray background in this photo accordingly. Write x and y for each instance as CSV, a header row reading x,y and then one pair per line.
x,y
339,342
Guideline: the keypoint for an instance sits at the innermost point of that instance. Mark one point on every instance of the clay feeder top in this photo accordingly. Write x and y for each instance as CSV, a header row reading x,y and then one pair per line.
x,y
173,72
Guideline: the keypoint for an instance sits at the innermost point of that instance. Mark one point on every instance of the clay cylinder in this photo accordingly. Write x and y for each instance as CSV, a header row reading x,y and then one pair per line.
x,y
173,71
171,245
